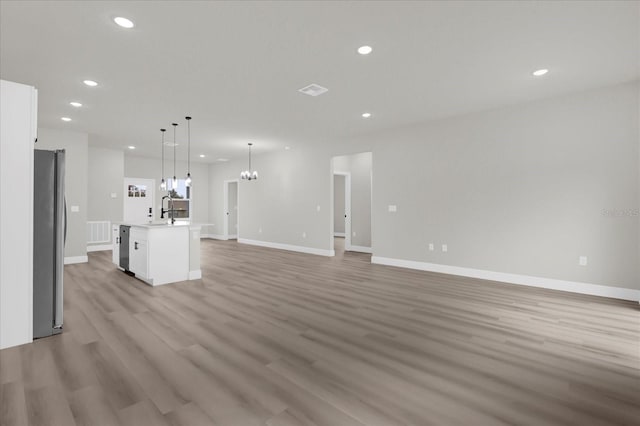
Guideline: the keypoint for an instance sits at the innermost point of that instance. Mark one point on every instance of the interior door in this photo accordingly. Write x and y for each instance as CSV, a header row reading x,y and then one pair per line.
x,y
138,200
233,210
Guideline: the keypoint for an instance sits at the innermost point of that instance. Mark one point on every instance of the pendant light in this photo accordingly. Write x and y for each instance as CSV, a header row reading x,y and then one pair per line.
x,y
163,183
248,174
174,182
187,181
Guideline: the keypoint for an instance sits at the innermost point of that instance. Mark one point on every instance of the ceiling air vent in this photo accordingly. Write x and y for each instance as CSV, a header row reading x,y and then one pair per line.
x,y
313,90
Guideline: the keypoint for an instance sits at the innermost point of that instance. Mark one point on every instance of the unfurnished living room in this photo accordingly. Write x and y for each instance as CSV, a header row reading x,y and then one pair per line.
x,y
319,213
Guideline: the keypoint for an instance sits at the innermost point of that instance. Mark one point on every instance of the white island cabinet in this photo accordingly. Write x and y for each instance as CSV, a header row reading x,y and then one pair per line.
x,y
161,253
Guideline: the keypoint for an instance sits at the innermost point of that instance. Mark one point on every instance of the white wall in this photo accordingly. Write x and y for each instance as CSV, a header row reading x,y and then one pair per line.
x,y
18,110
523,190
520,190
76,177
105,177
359,167
283,203
151,168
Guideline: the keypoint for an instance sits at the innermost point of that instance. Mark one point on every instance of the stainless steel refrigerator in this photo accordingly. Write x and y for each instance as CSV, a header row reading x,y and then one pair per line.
x,y
49,235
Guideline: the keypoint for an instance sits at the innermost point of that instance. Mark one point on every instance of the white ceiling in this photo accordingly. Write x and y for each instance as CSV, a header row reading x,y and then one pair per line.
x,y
235,67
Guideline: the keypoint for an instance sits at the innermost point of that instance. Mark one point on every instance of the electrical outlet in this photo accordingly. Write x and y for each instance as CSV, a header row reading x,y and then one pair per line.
x,y
114,195
582,261
445,248
318,207
393,208
75,209
354,233
304,235
260,230
431,247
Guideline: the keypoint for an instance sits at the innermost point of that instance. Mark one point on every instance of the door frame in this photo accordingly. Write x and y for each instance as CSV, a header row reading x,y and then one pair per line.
x,y
347,209
225,206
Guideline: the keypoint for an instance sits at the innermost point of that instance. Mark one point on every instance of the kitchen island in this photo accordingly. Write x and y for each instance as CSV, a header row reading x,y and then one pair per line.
x,y
158,253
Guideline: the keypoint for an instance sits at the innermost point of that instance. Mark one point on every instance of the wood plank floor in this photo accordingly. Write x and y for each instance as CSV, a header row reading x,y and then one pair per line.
x,y
280,338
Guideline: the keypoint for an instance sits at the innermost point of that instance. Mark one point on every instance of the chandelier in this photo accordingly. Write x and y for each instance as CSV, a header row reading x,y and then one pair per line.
x,y
248,174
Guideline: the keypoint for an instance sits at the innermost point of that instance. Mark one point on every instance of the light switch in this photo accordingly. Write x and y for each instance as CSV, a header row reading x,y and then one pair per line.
x,y
114,195
582,261
75,209
318,207
393,208
354,233
431,248
304,235
445,248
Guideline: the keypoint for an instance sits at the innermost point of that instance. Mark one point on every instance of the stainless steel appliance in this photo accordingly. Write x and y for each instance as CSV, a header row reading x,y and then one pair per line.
x,y
49,236
125,230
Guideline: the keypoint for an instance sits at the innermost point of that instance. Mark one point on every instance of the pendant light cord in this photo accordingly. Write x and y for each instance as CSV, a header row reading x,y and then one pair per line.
x,y
189,145
162,130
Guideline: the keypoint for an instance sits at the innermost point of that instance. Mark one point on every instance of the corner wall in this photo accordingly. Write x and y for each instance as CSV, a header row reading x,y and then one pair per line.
x,y
76,178
106,171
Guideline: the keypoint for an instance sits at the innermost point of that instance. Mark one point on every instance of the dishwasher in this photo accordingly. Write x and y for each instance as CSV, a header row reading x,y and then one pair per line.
x,y
125,230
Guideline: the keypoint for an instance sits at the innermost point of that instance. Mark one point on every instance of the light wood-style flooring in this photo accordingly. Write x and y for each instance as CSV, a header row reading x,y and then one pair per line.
x,y
280,338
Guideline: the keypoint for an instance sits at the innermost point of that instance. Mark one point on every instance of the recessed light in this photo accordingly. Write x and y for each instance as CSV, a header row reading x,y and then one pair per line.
x,y
65,119
201,155
540,72
90,83
75,104
131,147
223,159
365,50
366,115
123,22
287,148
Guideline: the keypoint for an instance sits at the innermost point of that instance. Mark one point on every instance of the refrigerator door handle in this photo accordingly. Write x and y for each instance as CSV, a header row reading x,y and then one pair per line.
x,y
65,220
61,242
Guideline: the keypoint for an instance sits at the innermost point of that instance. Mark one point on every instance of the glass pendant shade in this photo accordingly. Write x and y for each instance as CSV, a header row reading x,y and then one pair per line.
x,y
163,185
174,183
187,181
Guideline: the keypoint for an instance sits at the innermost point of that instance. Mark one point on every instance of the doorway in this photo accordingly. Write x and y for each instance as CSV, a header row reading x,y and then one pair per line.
x,y
342,210
231,225
352,194
138,200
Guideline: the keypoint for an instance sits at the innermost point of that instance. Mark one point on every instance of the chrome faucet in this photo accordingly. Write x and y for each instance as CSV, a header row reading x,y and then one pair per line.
x,y
169,210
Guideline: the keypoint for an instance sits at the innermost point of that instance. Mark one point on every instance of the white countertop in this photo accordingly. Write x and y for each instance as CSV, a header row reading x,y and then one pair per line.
x,y
163,224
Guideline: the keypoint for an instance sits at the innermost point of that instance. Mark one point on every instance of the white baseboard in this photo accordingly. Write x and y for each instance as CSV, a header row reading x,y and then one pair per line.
x,y
232,237
213,236
339,234
75,259
360,249
280,246
195,275
100,247
549,283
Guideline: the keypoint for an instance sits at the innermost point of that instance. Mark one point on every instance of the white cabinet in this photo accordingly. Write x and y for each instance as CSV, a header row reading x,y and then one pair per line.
x,y
115,240
138,252
161,254
18,123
